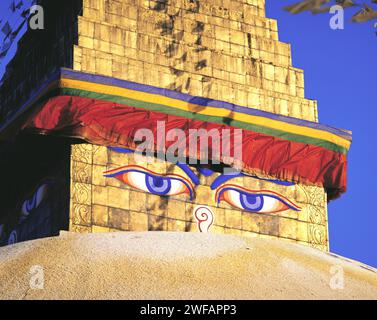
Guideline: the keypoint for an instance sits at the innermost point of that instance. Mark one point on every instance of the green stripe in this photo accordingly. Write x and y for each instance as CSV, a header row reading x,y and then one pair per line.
x,y
195,116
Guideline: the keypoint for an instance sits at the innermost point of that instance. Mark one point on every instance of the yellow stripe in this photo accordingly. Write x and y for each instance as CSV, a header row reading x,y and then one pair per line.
x,y
209,111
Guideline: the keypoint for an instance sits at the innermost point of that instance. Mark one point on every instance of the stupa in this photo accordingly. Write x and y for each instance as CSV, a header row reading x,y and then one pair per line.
x,y
184,116
79,94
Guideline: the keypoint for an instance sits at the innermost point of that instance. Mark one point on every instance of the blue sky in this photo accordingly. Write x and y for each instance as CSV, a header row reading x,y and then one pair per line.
x,y
14,22
340,72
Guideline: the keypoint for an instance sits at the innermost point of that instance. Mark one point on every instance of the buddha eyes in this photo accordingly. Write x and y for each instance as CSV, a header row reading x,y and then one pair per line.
x,y
254,201
260,201
29,205
154,183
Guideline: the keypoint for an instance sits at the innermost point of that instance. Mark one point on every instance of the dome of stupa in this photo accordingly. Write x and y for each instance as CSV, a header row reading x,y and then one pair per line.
x,y
164,265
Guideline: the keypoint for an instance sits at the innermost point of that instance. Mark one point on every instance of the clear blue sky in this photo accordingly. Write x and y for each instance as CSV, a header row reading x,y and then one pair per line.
x,y
341,73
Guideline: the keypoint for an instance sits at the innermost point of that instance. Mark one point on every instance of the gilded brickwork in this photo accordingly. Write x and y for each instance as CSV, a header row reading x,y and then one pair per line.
x,y
220,49
101,204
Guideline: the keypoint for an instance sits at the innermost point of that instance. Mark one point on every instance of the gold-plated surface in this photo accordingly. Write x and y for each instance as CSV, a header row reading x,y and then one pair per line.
x,y
225,50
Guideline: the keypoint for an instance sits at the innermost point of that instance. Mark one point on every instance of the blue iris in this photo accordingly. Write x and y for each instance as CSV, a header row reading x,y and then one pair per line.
x,y
251,202
158,185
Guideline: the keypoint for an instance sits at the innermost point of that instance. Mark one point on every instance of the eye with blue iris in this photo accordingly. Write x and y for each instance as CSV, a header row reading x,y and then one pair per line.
x,y
254,201
158,185
151,182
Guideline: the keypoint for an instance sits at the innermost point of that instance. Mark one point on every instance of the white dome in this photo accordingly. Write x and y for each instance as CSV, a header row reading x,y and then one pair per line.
x,y
161,265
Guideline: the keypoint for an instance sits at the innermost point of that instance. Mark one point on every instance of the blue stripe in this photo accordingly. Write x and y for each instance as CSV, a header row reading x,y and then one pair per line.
x,y
76,75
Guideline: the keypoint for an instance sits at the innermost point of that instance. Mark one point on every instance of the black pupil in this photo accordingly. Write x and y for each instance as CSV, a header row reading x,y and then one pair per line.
x,y
158,182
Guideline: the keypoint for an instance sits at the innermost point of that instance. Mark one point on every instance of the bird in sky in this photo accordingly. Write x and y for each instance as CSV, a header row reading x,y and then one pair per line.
x,y
365,14
343,3
307,5
318,6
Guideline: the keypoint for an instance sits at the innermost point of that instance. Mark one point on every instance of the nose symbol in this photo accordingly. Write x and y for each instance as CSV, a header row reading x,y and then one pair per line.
x,y
204,217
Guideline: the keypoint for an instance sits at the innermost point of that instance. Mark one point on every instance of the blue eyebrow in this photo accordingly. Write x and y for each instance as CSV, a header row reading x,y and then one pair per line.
x,y
207,172
282,183
186,169
225,177
121,150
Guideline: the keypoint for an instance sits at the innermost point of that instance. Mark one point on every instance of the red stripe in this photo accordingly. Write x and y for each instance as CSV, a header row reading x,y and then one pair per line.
x,y
110,124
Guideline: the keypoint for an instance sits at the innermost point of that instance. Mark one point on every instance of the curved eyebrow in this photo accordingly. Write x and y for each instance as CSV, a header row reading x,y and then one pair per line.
x,y
206,172
184,167
120,150
226,177
218,181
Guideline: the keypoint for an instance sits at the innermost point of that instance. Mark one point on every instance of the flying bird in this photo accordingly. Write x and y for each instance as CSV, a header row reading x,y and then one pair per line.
x,y
365,14
343,3
307,5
